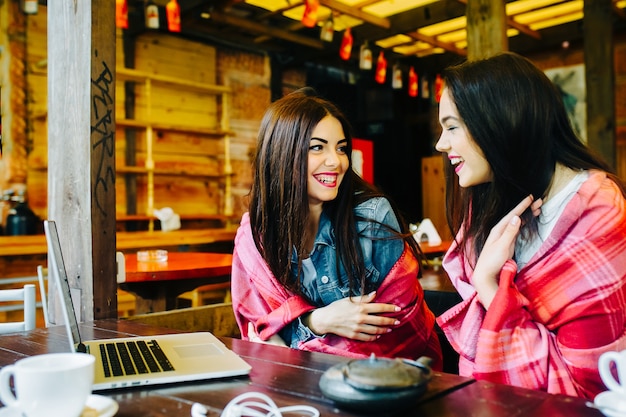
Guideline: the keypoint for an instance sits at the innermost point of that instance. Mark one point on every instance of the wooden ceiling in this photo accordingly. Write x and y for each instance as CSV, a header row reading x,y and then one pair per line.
x,y
411,30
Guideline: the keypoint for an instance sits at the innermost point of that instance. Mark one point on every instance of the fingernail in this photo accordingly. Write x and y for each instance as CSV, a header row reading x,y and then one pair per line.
x,y
396,322
515,221
398,308
372,293
388,330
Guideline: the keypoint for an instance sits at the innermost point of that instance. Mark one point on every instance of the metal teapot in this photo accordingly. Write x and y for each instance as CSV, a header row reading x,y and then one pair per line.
x,y
376,384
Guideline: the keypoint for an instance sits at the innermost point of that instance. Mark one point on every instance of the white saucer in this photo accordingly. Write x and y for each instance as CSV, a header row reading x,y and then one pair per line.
x,y
615,401
104,406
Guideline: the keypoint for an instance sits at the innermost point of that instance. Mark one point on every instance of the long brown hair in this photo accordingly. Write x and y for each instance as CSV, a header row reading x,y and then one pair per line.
x,y
279,206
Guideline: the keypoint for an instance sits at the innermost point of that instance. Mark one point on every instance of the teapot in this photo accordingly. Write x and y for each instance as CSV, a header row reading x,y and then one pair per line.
x,y
376,384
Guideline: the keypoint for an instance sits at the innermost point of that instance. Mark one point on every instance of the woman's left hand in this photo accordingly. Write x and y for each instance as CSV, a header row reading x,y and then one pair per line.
x,y
499,247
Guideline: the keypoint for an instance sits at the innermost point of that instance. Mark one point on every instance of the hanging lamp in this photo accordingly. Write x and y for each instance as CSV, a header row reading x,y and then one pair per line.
x,y
438,87
412,83
121,14
30,6
425,87
381,68
346,45
396,77
327,32
173,16
152,15
309,17
365,57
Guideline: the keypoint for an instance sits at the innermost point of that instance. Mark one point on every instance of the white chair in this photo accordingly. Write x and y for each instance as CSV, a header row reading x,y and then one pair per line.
x,y
27,296
42,274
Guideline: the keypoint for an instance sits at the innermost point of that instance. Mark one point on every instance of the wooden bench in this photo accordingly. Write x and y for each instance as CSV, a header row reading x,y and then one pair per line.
x,y
218,319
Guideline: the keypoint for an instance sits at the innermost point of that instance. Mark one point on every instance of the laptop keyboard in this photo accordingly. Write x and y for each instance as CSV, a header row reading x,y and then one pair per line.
x,y
133,357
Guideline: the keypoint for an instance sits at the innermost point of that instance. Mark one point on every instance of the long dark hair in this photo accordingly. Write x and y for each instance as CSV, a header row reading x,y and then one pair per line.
x,y
279,206
515,114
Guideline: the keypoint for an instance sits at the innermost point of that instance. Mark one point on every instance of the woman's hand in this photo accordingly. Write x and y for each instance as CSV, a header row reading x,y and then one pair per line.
x,y
355,318
499,248
254,337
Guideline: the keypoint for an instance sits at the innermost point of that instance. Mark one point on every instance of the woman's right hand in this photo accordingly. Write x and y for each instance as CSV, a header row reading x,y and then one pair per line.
x,y
354,318
499,247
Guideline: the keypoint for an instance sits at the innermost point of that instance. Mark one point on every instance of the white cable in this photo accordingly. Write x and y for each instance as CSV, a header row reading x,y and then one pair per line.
x,y
237,407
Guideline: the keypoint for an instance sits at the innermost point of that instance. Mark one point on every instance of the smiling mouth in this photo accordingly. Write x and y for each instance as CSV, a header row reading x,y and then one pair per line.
x,y
327,180
456,160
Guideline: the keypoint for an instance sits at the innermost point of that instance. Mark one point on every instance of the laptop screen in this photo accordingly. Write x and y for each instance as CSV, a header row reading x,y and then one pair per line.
x,y
59,276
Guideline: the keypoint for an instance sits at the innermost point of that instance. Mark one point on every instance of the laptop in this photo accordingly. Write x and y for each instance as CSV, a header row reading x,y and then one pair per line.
x,y
139,360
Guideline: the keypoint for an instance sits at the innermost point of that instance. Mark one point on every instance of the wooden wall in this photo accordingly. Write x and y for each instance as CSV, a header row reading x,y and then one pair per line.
x,y
246,73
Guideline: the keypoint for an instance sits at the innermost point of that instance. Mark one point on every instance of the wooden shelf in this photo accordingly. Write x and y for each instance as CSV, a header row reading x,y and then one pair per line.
x,y
220,131
142,124
171,172
129,74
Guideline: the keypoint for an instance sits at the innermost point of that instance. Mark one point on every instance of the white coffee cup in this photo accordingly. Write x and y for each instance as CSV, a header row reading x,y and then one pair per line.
x,y
605,366
51,385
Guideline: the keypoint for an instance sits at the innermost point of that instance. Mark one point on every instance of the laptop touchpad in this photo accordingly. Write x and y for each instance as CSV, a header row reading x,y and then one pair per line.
x,y
194,351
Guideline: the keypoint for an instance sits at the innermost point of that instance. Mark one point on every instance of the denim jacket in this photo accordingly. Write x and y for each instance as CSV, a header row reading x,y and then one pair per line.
x,y
320,281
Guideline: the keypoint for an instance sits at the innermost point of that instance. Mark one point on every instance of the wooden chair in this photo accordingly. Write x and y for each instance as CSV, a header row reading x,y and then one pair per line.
x,y
42,275
27,296
206,294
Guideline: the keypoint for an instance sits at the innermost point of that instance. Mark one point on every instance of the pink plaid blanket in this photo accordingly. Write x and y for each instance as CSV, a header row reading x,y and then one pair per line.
x,y
260,299
549,323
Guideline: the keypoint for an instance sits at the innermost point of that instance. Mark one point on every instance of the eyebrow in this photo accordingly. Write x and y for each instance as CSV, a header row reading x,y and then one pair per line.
x,y
326,142
445,119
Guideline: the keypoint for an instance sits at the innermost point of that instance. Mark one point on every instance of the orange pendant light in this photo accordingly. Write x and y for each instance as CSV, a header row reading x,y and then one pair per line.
x,y
309,18
121,14
412,83
346,45
438,87
173,16
381,68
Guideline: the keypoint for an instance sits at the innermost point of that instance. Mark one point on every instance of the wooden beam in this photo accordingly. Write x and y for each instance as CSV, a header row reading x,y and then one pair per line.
x,y
437,43
266,30
356,13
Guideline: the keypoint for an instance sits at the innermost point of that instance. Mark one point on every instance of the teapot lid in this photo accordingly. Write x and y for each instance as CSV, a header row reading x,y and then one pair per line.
x,y
386,374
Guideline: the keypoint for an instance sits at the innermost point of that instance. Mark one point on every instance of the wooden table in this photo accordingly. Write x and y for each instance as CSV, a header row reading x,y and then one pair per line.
x,y
157,284
289,377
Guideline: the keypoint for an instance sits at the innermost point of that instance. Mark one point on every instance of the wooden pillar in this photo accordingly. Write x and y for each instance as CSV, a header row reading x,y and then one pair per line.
x,y
486,28
81,147
600,78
